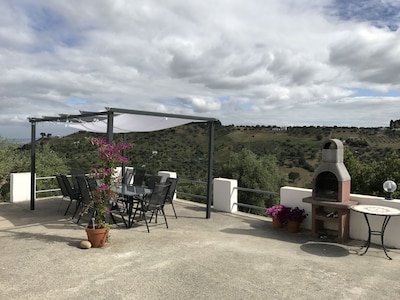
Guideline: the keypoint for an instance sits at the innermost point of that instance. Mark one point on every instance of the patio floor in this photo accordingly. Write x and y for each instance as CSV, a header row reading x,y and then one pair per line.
x,y
230,256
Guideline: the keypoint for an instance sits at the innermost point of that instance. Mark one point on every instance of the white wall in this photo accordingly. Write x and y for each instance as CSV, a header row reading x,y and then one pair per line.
x,y
225,194
20,187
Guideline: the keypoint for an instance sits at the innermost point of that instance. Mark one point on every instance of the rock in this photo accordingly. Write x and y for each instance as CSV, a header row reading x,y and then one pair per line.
x,y
86,245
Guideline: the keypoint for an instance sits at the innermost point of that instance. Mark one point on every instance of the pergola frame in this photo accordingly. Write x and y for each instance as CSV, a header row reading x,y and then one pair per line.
x,y
109,115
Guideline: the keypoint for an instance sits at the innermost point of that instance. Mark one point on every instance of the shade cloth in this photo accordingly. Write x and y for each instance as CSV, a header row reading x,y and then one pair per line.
x,y
124,123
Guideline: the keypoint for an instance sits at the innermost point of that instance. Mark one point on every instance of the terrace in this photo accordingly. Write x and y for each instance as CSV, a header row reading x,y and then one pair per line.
x,y
231,255
228,256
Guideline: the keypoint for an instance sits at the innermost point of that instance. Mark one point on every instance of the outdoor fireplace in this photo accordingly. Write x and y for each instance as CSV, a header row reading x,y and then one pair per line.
x,y
331,180
331,192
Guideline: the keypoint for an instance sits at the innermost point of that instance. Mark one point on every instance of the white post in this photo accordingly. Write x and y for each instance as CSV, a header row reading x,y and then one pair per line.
x,y
225,195
20,187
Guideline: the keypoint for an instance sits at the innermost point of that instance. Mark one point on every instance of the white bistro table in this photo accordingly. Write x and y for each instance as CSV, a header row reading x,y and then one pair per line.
x,y
376,210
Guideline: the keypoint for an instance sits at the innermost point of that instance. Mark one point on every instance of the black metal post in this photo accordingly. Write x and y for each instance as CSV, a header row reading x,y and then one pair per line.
x,y
33,164
210,167
110,126
123,154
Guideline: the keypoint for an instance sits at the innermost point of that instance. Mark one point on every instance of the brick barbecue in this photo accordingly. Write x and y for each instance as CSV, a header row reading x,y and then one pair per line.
x,y
331,192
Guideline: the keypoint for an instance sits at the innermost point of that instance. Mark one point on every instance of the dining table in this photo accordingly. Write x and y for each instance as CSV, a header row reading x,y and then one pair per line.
x,y
131,194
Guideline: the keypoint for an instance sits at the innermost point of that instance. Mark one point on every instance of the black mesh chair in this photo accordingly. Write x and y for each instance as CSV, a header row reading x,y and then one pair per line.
x,y
173,182
92,183
64,191
127,177
138,178
86,196
153,180
153,203
73,194
74,175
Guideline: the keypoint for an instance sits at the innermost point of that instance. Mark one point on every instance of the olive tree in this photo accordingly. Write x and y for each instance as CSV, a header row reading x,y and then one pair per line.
x,y
254,172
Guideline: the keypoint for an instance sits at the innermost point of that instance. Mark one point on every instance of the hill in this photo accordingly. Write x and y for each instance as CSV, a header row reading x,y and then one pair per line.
x,y
184,149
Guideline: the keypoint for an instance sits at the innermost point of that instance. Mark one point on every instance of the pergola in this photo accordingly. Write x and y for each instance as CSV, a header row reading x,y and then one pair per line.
x,y
116,120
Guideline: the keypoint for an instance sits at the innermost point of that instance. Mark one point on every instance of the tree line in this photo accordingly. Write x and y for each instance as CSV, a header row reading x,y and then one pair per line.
x,y
255,164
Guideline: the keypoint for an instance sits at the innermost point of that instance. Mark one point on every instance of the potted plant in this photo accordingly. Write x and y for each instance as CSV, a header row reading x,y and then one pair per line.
x,y
102,197
278,214
294,218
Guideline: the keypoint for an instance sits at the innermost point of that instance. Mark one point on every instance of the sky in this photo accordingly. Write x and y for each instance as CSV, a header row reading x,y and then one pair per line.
x,y
253,62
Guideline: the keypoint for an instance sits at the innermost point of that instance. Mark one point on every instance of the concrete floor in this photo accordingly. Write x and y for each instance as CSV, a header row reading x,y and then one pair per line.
x,y
230,256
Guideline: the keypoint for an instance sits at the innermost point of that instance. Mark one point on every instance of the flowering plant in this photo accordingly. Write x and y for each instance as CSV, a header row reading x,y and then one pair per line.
x,y
278,211
102,196
296,214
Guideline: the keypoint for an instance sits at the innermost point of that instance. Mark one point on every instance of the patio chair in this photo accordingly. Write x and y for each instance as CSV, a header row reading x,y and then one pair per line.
x,y
86,196
87,186
92,183
73,194
173,182
127,178
153,203
138,178
64,192
74,175
153,180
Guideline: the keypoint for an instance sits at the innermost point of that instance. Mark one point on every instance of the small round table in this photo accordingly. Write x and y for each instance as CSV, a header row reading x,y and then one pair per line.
x,y
376,210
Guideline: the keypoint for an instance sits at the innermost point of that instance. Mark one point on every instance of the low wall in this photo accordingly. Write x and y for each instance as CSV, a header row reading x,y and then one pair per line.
x,y
291,196
20,187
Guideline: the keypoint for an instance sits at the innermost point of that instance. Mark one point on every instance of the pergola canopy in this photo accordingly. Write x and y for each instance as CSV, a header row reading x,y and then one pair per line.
x,y
116,120
124,120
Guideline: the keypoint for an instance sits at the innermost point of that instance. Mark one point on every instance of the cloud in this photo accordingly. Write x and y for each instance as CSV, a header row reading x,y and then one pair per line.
x,y
273,62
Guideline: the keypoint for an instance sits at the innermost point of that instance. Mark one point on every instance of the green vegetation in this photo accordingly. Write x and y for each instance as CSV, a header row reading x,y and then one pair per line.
x,y
14,159
371,155
254,172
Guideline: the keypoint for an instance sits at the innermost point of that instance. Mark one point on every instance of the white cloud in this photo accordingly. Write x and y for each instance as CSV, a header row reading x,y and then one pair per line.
x,y
273,62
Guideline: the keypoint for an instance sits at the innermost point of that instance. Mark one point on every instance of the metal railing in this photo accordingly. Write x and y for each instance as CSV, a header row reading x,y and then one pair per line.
x,y
181,183
249,206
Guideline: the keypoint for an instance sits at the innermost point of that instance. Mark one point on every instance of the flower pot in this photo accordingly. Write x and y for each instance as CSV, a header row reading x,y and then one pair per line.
x,y
293,226
276,222
97,237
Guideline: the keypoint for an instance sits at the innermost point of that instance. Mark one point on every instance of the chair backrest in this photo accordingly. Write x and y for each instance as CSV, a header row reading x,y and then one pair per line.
x,y
173,182
72,193
127,178
84,189
153,180
62,186
157,197
139,177
92,182
74,175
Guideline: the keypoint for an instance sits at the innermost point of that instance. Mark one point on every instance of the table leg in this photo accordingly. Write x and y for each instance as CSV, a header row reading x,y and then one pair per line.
x,y
369,236
130,209
384,224
376,232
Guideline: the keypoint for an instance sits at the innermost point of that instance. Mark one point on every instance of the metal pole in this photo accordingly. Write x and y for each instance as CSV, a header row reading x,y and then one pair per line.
x,y
210,167
33,164
123,154
110,126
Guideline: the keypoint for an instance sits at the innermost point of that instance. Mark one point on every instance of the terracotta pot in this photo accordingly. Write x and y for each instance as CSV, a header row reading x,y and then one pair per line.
x,y
97,237
293,226
276,223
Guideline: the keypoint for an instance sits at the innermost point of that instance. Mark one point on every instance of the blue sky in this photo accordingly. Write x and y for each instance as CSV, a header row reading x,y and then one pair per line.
x,y
277,62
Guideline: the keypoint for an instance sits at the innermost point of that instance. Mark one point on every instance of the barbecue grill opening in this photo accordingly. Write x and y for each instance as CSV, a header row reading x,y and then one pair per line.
x,y
326,186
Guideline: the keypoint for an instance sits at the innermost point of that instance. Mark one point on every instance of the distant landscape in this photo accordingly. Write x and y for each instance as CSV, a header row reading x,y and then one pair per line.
x,y
184,149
